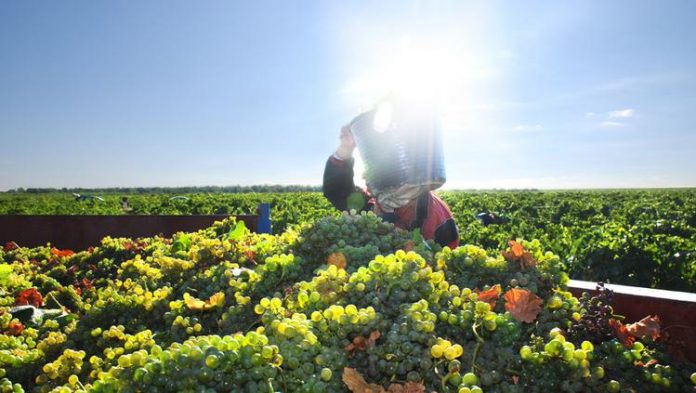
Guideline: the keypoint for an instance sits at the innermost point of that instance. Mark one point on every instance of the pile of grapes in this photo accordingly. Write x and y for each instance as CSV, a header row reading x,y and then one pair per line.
x,y
347,303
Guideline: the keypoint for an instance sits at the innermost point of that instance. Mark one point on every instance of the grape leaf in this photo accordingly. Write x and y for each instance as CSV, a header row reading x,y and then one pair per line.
x,y
490,296
622,333
29,297
646,327
195,304
238,232
522,304
357,384
61,253
416,236
217,299
516,248
409,245
5,271
518,254
182,243
337,259
15,328
362,343
408,387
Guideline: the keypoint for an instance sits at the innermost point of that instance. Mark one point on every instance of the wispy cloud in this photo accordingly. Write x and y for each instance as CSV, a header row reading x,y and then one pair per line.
x,y
611,124
527,127
621,114
612,119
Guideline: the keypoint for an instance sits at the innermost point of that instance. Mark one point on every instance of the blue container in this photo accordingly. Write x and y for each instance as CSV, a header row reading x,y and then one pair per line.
x,y
400,145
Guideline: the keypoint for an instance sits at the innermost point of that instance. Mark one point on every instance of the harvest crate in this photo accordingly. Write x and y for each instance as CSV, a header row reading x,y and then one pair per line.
x,y
79,232
677,312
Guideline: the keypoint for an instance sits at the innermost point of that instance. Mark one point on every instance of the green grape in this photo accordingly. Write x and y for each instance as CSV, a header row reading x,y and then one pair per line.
x,y
326,374
470,379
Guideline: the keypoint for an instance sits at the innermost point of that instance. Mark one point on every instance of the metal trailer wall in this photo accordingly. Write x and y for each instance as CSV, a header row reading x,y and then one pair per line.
x,y
78,232
676,310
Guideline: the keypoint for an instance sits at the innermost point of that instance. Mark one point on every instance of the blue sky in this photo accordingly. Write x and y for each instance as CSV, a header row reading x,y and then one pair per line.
x,y
169,93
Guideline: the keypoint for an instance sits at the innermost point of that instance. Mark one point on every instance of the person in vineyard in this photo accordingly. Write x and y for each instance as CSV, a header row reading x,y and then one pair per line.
x,y
407,207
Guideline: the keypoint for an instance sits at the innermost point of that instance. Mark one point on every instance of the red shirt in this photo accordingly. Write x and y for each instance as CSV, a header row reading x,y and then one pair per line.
x,y
438,215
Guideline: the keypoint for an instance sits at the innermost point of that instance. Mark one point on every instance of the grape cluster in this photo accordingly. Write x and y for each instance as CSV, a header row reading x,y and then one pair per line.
x,y
592,323
542,363
360,237
6,386
325,289
392,280
65,369
638,367
470,266
404,351
223,364
308,366
343,324
279,272
561,310
53,342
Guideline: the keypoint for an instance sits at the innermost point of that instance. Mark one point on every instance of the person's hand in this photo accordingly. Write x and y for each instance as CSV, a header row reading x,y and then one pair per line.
x,y
347,144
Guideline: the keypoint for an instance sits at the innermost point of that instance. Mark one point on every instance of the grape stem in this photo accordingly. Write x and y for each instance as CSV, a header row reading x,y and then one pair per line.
x,y
513,372
254,324
443,382
479,342
443,379
57,302
285,384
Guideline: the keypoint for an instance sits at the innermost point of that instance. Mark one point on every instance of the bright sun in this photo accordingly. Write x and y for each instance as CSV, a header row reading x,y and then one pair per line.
x,y
427,70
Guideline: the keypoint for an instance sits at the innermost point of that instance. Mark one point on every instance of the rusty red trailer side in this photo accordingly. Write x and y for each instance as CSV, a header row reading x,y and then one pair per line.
x,y
77,232
676,310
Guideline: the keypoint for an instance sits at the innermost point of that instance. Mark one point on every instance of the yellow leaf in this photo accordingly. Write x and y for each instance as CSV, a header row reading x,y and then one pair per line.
x,y
217,300
192,303
195,304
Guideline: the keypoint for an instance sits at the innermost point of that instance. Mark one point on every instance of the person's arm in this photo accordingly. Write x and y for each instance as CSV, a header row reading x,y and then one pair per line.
x,y
338,181
447,234
338,184
439,224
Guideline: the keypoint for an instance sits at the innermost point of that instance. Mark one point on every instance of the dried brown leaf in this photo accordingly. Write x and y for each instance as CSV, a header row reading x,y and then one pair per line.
x,y
361,343
408,387
523,304
337,259
490,296
646,327
622,333
518,254
357,384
